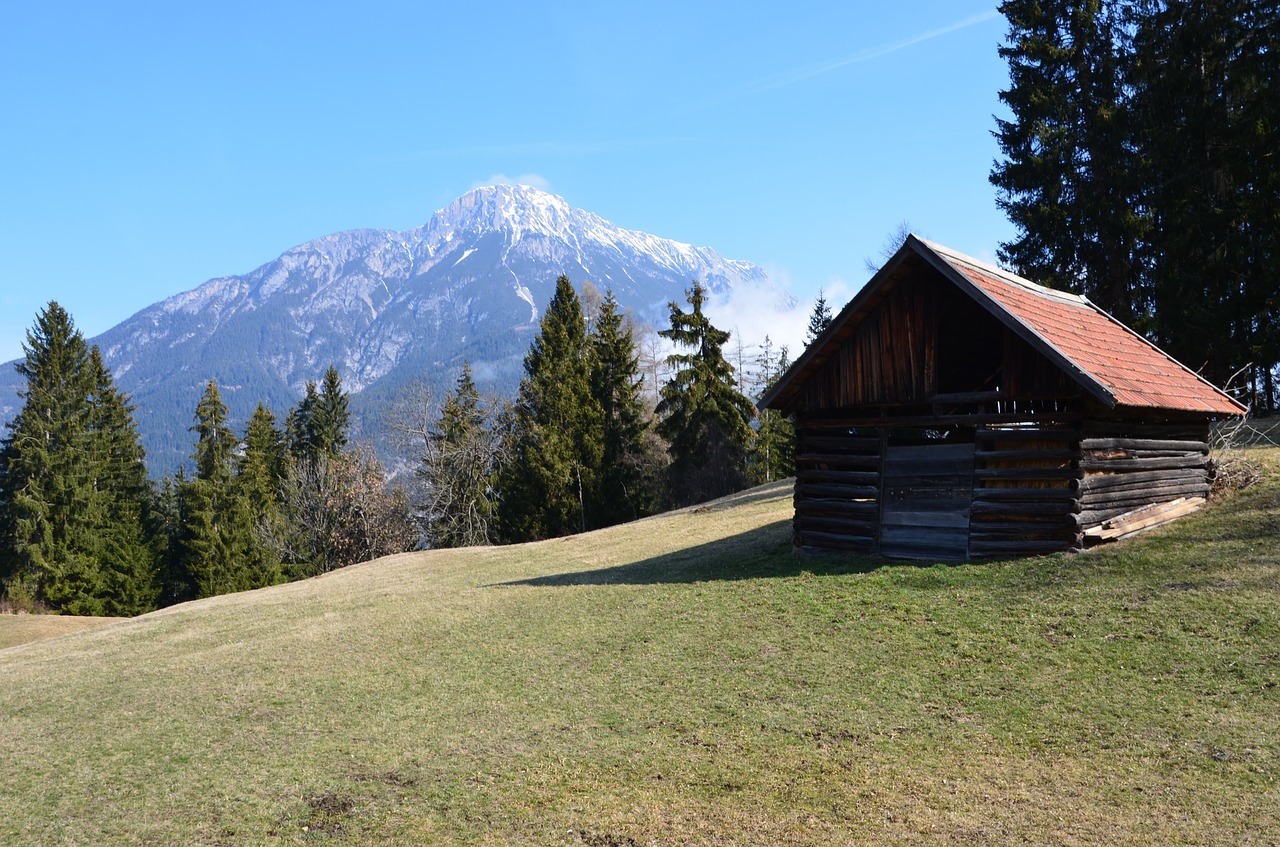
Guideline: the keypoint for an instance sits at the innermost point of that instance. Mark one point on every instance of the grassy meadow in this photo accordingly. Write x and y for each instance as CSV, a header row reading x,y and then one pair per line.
x,y
683,680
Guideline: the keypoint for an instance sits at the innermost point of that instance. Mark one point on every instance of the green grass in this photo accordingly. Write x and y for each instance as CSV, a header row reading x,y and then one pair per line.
x,y
682,680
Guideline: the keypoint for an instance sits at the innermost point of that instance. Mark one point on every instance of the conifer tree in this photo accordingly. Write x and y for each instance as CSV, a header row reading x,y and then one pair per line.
x,y
555,445
73,490
319,424
461,457
128,531
217,528
704,418
1067,179
621,493
819,320
261,472
1207,114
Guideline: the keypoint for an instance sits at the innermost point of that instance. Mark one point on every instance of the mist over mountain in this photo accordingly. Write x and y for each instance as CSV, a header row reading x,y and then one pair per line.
x,y
388,308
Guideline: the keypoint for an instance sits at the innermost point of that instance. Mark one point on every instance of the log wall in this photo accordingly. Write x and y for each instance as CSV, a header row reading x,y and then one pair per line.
x,y
1130,464
1024,495
837,495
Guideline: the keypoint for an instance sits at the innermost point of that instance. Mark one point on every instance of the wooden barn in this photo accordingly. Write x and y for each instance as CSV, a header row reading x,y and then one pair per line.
x,y
955,410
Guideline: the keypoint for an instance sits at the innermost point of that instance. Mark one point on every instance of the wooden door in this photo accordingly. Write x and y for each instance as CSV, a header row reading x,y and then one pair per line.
x,y
926,492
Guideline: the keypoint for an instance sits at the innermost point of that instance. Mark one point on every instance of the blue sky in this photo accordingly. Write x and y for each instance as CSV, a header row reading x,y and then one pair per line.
x,y
148,147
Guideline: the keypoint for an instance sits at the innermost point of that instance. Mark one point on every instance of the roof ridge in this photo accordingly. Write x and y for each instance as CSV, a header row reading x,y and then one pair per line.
x,y
1008,276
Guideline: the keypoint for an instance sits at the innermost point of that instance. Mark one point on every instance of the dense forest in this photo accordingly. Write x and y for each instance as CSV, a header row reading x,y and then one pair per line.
x,y
84,529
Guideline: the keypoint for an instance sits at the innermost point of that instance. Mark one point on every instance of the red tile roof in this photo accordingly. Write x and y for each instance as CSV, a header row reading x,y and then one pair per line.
x,y
1132,370
1110,361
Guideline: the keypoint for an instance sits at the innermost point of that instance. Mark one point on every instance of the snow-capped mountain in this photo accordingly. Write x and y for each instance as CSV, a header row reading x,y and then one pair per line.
x,y
387,308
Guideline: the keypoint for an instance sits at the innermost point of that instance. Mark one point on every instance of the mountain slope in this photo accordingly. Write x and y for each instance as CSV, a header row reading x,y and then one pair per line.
x,y
684,679
388,308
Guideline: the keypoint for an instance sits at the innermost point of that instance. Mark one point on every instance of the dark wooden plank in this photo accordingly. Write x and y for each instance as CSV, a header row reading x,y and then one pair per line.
x,y
839,460
869,422
1060,455
840,444
1004,507
1191,460
1028,494
839,477
1026,473
925,520
1013,548
1142,444
832,490
1099,481
846,507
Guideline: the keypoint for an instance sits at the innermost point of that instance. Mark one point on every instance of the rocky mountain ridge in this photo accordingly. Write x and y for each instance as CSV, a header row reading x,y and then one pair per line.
x,y
387,308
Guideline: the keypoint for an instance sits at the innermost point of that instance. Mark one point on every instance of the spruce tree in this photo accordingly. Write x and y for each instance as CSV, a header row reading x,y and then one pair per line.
x,y
620,492
320,423
1067,179
1208,127
555,444
129,531
331,415
704,418
217,528
261,471
819,320
73,490
461,457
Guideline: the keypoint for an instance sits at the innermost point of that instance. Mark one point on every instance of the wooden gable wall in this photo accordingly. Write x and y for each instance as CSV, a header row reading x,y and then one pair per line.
x,y
927,338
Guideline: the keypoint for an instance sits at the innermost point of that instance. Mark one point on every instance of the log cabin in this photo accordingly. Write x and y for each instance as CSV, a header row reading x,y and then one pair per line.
x,y
954,410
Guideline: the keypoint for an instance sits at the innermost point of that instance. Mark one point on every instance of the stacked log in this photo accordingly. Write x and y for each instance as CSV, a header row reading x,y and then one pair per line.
x,y
1023,490
837,489
1130,467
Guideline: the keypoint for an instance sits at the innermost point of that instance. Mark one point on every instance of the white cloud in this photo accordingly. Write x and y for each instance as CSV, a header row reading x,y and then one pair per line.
x,y
753,312
532,180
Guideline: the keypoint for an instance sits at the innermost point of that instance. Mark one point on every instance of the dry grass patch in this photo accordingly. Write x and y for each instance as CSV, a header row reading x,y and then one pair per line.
x,y
24,629
684,680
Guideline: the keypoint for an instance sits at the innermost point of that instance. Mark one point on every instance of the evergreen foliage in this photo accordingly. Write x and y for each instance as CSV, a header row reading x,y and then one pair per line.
x,y
819,320
625,484
321,421
555,441
1207,113
460,460
704,418
1139,168
216,545
262,468
1067,179
76,505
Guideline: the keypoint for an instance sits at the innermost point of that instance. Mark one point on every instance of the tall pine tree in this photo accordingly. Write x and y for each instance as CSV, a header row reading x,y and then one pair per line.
x,y
622,492
73,491
261,470
555,444
704,418
1208,127
217,540
460,459
773,450
819,320
1067,179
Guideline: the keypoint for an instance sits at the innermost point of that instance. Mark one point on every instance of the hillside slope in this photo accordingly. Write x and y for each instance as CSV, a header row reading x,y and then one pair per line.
x,y
682,680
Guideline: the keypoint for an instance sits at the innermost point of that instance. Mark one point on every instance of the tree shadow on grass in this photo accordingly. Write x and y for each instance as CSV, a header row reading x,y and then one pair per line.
x,y
759,553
